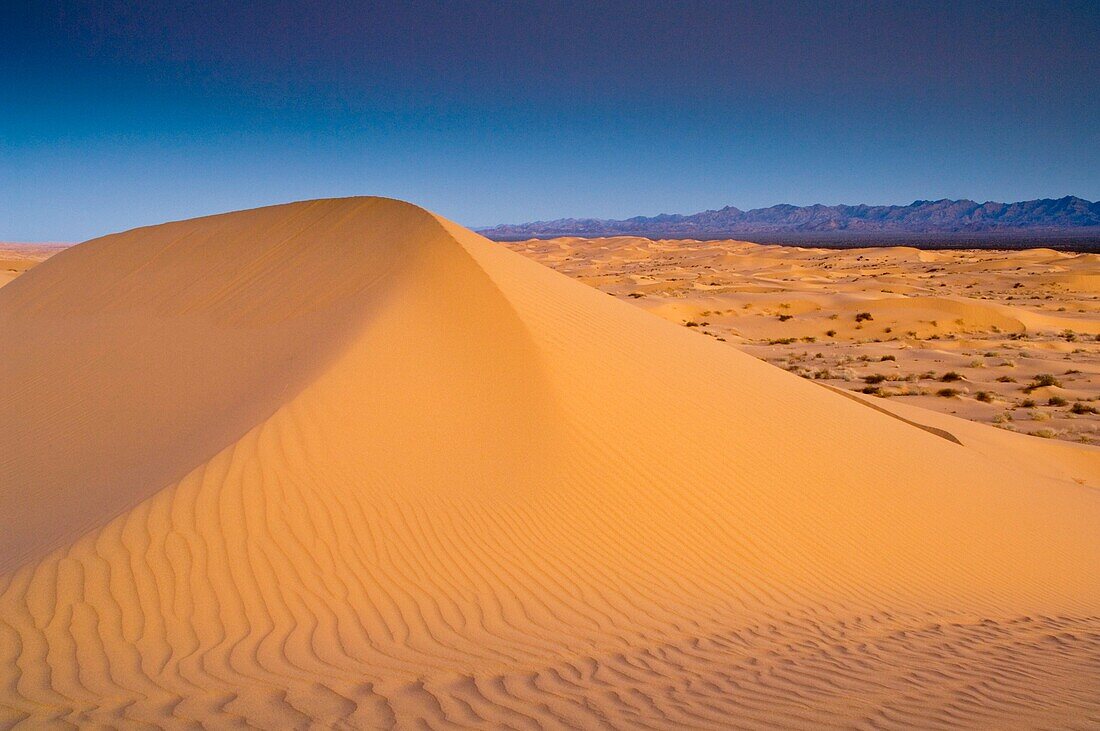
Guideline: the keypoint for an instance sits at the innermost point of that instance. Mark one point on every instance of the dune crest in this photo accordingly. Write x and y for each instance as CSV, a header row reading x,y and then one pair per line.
x,y
346,463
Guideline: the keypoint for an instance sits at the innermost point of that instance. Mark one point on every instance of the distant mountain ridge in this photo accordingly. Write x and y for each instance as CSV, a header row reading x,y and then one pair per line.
x,y
920,217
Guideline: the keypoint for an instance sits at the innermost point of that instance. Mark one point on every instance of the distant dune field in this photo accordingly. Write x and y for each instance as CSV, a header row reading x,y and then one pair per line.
x,y
345,464
18,258
969,333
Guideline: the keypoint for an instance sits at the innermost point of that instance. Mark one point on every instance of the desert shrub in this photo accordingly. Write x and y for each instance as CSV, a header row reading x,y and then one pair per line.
x,y
1006,379
874,378
782,341
948,392
984,396
951,376
1082,409
784,318
887,357
861,316
1056,401
1044,433
691,323
1044,379
830,333
1028,403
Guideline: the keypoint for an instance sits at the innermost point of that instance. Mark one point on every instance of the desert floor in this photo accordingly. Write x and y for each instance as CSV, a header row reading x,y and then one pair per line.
x,y
346,464
1010,339
18,258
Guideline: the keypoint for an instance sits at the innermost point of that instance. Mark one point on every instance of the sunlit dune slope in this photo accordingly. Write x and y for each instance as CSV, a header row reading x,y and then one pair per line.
x,y
346,463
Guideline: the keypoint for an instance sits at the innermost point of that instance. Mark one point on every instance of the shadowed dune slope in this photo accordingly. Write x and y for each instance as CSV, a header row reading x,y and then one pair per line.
x,y
347,464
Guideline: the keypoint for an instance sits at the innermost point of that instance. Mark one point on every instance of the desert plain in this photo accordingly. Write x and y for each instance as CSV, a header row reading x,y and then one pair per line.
x,y
347,464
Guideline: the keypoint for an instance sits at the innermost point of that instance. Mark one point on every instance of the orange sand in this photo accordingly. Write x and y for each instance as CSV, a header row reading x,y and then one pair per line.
x,y
346,464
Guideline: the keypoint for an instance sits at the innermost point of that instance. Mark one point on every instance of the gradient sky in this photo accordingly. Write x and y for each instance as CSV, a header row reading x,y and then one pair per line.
x,y
115,116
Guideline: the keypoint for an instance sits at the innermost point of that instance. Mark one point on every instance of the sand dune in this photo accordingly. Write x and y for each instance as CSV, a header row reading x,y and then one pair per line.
x,y
347,464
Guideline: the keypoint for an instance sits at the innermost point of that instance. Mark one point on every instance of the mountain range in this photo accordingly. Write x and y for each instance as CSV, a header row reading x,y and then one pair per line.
x,y
921,217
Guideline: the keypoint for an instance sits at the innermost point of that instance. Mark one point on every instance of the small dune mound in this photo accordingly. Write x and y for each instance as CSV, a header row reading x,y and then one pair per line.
x,y
346,464
940,314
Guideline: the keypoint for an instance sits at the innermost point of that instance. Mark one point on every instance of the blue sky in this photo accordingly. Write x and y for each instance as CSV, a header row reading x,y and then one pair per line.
x,y
115,116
